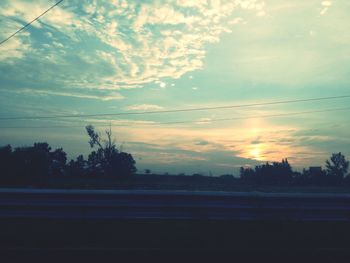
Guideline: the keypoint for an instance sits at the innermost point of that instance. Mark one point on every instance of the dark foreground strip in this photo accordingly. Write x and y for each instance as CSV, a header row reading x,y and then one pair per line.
x,y
173,205
145,226
175,240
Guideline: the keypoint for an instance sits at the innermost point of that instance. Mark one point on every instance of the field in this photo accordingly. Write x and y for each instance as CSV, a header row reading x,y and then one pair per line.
x,y
187,183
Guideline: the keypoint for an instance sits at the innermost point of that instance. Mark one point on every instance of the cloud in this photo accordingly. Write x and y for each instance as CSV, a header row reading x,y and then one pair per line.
x,y
256,141
204,120
26,11
268,52
143,107
18,47
202,142
104,97
242,141
171,158
324,11
325,5
118,44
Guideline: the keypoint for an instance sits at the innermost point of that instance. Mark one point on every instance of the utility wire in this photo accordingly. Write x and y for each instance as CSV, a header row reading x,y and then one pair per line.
x,y
175,110
255,117
31,22
184,122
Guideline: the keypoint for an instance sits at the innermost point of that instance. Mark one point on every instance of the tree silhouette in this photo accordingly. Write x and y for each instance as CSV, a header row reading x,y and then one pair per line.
x,y
96,162
31,164
337,166
6,164
77,167
275,173
35,165
58,161
247,174
108,160
312,176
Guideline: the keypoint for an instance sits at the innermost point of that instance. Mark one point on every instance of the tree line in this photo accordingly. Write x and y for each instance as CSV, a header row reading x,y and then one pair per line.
x,y
281,173
33,165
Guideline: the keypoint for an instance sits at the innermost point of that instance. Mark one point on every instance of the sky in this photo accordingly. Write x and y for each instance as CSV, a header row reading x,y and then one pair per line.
x,y
103,57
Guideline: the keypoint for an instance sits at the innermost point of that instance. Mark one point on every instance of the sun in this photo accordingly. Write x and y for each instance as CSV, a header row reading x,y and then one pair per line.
x,y
255,153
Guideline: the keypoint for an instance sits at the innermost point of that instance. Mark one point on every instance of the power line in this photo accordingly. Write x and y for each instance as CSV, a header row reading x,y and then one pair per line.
x,y
184,122
29,23
175,110
258,116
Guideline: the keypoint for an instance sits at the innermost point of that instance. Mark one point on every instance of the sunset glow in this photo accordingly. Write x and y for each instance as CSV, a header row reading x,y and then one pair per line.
x,y
255,153
214,70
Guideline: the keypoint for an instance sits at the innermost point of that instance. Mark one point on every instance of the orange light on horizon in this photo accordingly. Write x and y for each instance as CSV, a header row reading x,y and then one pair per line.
x,y
255,153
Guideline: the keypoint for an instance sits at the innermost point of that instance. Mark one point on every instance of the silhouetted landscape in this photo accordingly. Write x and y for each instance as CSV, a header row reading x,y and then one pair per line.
x,y
107,167
204,129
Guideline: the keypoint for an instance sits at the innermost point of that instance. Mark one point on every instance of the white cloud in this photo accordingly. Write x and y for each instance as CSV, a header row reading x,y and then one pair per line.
x,y
57,44
140,42
26,11
17,47
324,11
19,13
162,85
49,34
143,107
38,92
325,5
204,120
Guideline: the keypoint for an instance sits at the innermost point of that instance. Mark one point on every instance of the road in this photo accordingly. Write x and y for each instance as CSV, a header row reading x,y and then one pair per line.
x,y
173,225
146,204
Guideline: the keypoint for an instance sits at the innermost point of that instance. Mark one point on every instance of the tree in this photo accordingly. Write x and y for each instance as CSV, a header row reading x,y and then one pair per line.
x,y
312,176
6,164
123,164
108,160
337,166
58,161
96,162
275,173
32,164
247,174
77,167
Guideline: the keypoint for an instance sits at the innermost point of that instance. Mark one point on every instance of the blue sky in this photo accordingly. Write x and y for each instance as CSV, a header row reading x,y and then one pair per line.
x,y
88,57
